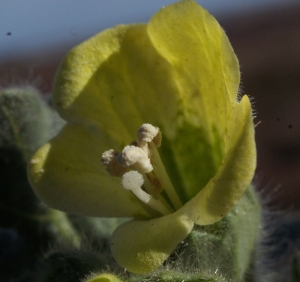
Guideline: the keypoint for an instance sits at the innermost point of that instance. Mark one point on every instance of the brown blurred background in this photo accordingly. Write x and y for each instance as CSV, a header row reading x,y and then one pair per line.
x,y
267,43
268,46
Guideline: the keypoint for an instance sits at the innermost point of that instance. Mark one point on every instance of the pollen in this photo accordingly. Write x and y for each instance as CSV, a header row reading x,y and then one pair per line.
x,y
136,158
148,133
109,160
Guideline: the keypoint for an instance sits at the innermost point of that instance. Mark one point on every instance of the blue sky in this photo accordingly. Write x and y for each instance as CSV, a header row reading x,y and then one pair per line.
x,y
28,26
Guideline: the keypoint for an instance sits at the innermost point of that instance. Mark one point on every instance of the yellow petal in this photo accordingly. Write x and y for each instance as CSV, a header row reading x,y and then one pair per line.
x,y
116,81
67,174
206,73
142,246
234,175
205,65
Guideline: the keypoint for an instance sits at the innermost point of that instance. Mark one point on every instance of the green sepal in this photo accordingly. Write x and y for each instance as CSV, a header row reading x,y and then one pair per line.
x,y
228,246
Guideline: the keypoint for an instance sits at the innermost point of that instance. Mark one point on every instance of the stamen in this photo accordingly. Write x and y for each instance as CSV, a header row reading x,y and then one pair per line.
x,y
133,181
143,172
135,158
154,182
160,172
153,187
109,160
147,186
148,133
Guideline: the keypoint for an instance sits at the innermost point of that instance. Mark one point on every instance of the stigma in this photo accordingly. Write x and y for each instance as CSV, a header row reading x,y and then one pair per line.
x,y
142,171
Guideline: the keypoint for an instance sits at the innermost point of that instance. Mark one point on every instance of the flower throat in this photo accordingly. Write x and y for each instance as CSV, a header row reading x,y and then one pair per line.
x,y
142,172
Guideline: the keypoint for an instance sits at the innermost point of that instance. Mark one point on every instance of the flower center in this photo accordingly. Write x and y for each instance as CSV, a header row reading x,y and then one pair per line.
x,y
142,171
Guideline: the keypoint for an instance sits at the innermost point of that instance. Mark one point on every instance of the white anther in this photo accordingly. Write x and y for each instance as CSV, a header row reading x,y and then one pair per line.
x,y
148,133
109,160
135,158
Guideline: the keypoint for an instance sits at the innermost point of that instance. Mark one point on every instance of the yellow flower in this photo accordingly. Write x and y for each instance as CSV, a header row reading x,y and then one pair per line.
x,y
179,74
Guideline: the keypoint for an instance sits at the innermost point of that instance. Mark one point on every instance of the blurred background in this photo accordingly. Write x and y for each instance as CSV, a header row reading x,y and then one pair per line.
x,y
35,35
